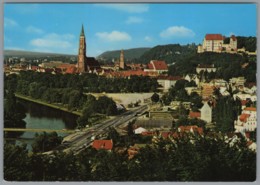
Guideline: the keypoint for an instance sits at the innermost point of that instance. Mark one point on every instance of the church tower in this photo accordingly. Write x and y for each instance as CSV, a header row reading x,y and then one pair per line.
x,y
122,62
82,52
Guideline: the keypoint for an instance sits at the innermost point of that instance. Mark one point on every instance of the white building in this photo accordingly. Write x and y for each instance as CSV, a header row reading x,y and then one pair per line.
x,y
168,81
246,121
206,113
205,67
243,96
215,43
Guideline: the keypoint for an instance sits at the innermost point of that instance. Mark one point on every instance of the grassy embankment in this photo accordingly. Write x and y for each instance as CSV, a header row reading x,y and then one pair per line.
x,y
59,107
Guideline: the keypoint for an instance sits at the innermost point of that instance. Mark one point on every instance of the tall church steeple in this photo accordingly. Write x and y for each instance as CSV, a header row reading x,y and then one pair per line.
x,y
82,31
122,62
82,52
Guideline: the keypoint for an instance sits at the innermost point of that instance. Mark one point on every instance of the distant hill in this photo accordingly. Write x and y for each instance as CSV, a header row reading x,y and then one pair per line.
x,y
170,53
129,54
29,54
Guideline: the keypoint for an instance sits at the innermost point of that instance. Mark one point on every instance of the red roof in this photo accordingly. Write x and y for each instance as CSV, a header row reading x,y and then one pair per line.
x,y
148,133
34,68
194,114
71,70
195,128
243,117
165,135
250,108
214,37
103,144
233,37
159,65
150,66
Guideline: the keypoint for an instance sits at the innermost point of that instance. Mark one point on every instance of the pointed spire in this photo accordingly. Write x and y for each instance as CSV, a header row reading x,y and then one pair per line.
x,y
82,31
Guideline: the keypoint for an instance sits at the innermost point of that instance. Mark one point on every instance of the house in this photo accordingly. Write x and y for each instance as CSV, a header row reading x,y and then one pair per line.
x,y
103,144
247,121
192,77
205,67
190,129
167,81
158,66
238,81
206,113
139,130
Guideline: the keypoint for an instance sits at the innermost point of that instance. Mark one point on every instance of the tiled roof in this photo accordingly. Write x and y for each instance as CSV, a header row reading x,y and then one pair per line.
x,y
195,128
159,65
71,70
65,65
250,108
103,144
214,37
243,117
194,114
150,66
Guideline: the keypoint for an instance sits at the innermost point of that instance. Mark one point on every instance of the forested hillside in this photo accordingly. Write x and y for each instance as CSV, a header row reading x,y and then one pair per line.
x,y
129,54
171,53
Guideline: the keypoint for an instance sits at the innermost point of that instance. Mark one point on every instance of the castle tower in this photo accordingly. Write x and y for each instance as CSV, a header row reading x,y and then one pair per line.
x,y
82,52
122,62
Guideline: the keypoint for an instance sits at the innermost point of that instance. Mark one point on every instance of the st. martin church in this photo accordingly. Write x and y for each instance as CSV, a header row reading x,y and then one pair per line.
x,y
85,64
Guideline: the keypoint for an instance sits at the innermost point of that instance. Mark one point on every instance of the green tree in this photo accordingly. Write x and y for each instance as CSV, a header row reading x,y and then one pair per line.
x,y
155,97
46,141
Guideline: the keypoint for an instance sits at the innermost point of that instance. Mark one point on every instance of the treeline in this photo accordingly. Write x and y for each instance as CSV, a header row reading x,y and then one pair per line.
x,y
85,82
204,159
249,43
228,65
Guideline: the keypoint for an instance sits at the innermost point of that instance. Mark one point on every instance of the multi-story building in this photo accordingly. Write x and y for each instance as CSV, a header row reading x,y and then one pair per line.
x,y
205,67
246,121
215,43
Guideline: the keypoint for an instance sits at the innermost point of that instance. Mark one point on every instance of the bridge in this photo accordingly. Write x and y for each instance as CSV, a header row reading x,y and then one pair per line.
x,y
37,130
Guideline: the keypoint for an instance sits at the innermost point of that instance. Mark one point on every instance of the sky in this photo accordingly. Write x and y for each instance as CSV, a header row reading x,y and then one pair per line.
x,y
56,27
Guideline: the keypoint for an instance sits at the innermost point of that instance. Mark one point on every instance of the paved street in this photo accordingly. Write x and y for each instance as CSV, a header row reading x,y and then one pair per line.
x,y
82,139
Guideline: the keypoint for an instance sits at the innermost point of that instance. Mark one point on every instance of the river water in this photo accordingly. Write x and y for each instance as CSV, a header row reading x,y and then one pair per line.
x,y
43,117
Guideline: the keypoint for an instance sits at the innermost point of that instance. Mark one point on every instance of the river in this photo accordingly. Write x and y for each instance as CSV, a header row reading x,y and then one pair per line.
x,y
43,117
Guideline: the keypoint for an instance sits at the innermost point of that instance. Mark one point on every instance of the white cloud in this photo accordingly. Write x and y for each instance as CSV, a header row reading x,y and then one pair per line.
x,y
9,23
114,36
32,29
134,20
53,42
129,8
148,39
177,31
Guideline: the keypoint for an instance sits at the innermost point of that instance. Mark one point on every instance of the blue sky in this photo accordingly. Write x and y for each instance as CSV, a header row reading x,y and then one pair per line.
x,y
56,27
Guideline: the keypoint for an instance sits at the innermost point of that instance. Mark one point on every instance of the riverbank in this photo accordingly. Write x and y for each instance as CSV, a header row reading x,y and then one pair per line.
x,y
47,104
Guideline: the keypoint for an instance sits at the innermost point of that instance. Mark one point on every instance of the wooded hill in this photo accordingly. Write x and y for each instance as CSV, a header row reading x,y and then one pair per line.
x,y
129,54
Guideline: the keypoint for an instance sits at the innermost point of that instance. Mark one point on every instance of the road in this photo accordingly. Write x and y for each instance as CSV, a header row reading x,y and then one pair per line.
x,y
82,139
